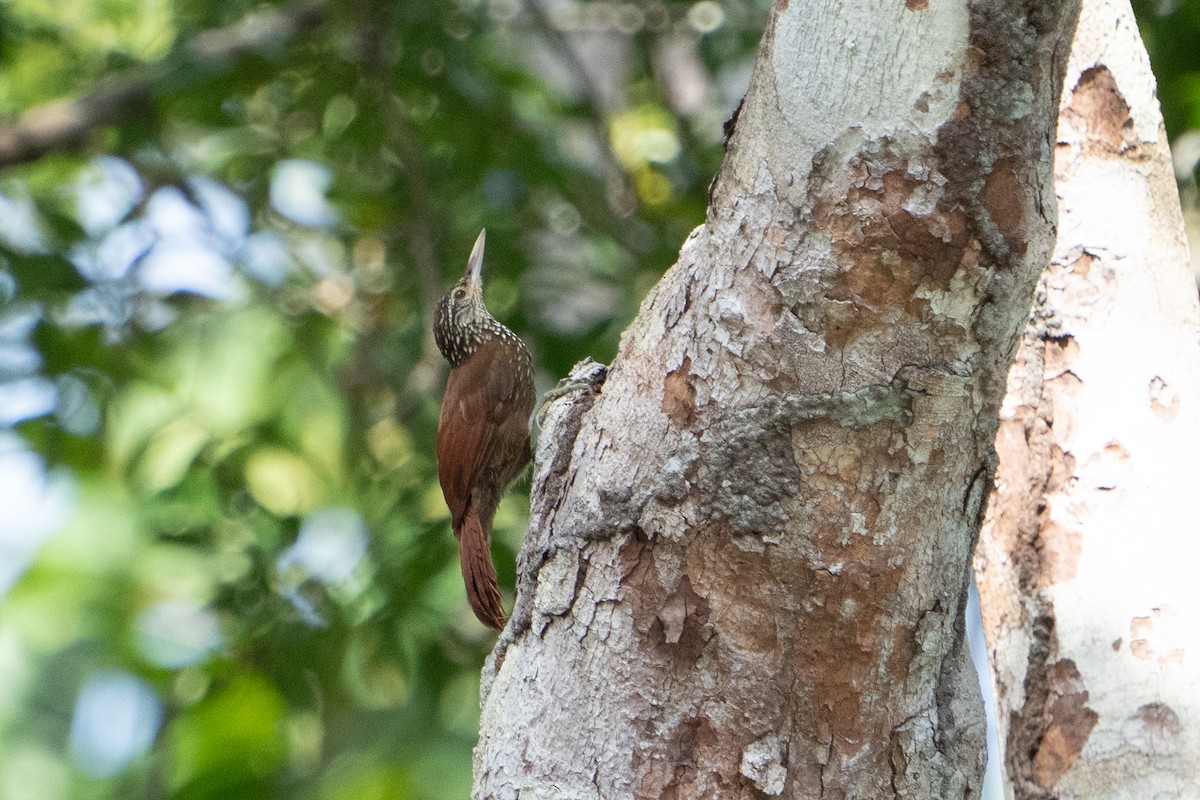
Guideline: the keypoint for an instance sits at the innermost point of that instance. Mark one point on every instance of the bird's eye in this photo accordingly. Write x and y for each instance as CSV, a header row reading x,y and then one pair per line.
x,y
459,294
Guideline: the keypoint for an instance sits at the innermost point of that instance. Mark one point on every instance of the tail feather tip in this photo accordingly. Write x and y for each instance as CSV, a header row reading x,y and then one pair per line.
x,y
479,574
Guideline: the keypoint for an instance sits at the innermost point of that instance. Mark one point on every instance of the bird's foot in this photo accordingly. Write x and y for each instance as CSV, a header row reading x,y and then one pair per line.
x,y
586,377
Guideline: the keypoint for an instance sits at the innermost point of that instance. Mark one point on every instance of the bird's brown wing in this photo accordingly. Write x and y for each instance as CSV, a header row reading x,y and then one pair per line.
x,y
482,409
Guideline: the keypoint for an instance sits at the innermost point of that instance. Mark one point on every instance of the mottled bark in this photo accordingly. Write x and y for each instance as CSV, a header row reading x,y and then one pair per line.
x,y
748,557
1086,565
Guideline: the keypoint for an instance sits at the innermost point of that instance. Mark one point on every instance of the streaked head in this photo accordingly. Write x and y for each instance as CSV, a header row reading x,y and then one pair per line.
x,y
462,321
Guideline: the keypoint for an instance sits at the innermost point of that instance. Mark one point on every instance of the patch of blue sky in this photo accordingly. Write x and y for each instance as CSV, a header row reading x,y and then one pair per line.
x,y
36,503
298,190
105,192
117,716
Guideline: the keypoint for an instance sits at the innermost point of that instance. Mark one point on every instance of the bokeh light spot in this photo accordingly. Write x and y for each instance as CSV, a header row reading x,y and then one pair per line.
x,y
115,720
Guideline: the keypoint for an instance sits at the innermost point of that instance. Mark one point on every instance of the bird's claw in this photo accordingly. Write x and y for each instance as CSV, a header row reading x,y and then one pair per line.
x,y
586,377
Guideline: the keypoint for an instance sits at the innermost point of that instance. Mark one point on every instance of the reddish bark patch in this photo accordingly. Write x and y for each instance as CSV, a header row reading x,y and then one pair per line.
x,y
679,395
1098,105
1006,201
1164,400
1069,723
889,240
1032,466
845,628
682,619
1142,639
749,598
1061,355
1061,549
1156,729
682,755
667,612
1082,266
1114,464
1140,629
847,484
916,5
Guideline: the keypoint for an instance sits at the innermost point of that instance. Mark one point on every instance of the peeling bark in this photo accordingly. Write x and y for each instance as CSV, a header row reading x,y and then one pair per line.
x,y
1088,602
748,554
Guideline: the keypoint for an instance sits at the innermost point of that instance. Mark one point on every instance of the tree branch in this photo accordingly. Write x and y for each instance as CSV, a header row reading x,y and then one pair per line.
x,y
64,124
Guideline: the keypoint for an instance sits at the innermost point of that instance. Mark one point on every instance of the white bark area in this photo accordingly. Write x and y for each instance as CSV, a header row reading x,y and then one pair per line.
x,y
748,553
1087,562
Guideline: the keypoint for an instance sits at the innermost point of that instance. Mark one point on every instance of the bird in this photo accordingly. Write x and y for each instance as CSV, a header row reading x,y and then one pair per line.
x,y
483,429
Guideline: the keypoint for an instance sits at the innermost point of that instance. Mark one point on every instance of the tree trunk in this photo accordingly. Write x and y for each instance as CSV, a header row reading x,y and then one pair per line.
x,y
748,553
1086,565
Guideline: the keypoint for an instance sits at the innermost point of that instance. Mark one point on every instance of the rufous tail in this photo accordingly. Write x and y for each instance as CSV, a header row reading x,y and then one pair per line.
x,y
479,575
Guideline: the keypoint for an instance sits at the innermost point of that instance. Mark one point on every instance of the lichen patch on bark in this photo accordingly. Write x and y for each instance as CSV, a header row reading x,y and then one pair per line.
x,y
764,763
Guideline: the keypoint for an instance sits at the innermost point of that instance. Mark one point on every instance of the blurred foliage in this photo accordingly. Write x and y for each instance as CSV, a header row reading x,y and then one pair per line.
x,y
226,567
225,564
1171,30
